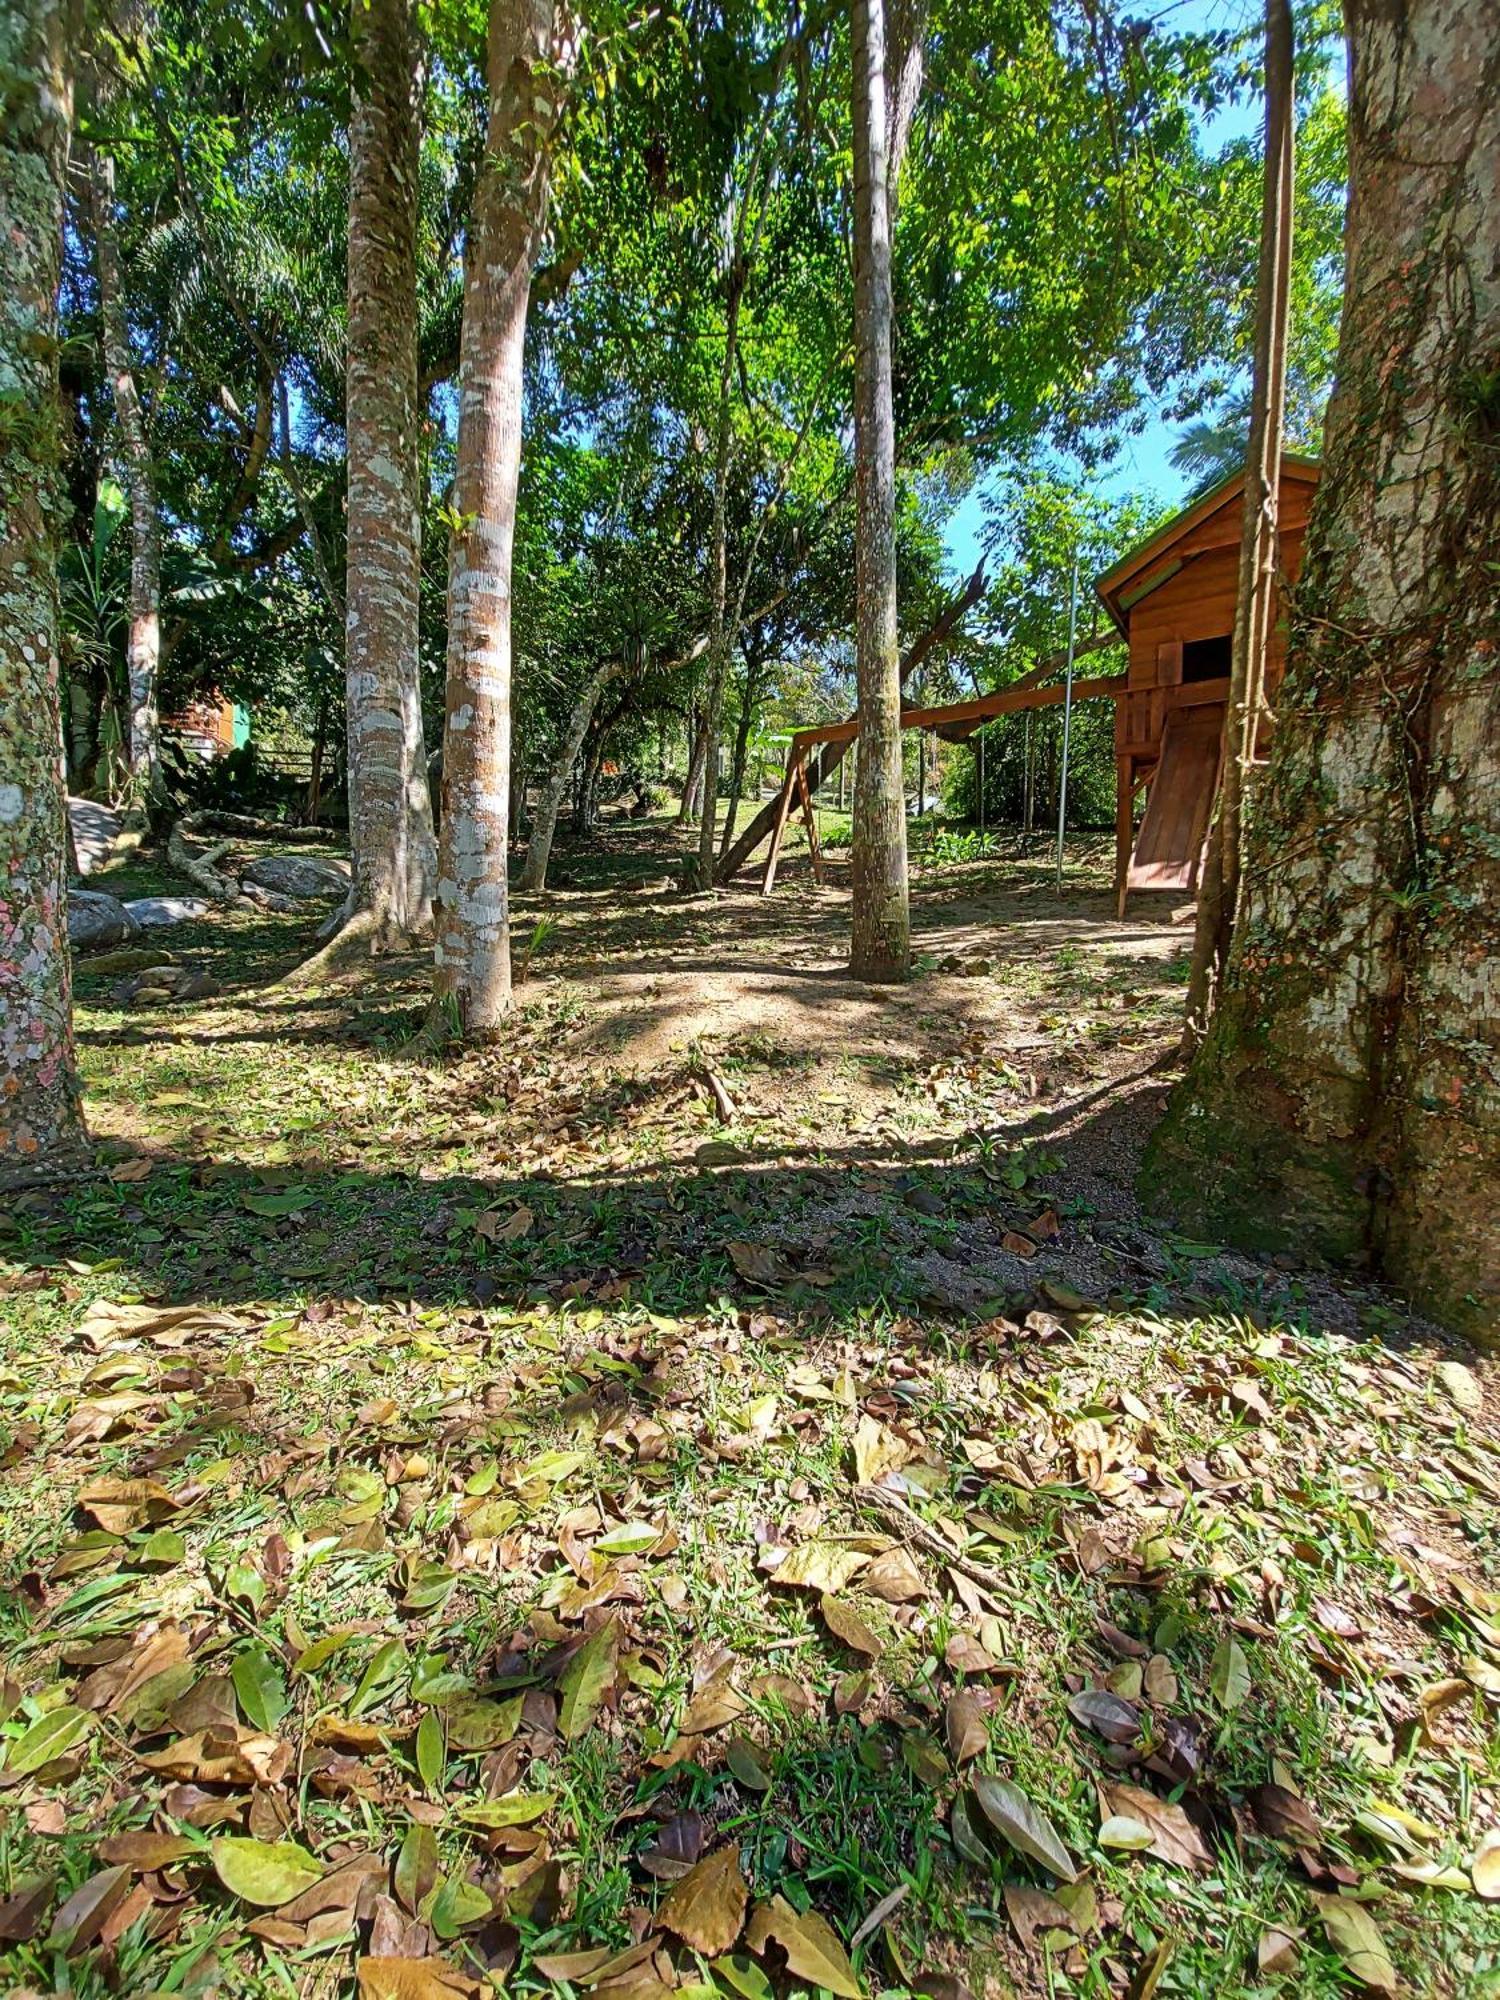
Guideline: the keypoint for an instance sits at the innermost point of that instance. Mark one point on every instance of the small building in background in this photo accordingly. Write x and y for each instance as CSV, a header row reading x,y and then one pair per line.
x,y
1172,601
209,727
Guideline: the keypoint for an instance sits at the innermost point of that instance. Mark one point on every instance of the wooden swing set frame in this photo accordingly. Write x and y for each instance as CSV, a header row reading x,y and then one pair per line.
x,y
954,721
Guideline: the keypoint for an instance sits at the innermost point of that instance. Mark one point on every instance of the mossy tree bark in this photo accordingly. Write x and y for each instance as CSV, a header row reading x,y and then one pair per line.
x,y
881,941
390,806
1348,1095
41,1122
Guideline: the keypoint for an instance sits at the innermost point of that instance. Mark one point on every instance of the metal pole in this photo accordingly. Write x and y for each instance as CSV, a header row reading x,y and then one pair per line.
x,y
981,780
1062,789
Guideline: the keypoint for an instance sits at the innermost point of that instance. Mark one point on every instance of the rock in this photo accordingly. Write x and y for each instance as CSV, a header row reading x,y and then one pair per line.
x,y
96,828
133,958
304,877
263,899
158,984
151,912
97,921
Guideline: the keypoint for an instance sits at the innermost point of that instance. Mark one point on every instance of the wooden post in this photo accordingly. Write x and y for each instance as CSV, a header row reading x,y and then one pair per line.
x,y
778,830
1124,821
812,821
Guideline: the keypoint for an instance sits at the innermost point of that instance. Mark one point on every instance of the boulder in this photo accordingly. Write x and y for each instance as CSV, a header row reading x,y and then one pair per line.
x,y
303,877
96,828
97,921
151,912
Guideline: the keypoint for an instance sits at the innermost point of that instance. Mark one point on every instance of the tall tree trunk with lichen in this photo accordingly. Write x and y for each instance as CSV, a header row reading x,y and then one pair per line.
x,y
1348,1094
472,982
143,631
41,1120
881,944
392,842
1256,598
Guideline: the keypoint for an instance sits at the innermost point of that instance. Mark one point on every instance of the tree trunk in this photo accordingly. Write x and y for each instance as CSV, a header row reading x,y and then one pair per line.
x,y
687,810
544,826
41,1122
1346,1097
718,650
143,632
881,942
391,835
585,817
472,980
741,751
1255,601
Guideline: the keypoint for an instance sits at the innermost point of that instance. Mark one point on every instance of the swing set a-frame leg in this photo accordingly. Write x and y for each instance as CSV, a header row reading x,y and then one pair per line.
x,y
778,831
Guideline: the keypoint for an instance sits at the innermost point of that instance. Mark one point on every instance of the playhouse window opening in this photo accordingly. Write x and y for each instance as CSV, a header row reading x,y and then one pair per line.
x,y
1206,659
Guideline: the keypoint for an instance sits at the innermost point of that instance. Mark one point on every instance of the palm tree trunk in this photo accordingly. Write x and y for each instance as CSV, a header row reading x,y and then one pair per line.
x,y
143,632
472,980
881,943
41,1121
391,834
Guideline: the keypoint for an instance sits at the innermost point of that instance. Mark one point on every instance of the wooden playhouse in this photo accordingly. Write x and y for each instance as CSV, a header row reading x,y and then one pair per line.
x,y
1171,600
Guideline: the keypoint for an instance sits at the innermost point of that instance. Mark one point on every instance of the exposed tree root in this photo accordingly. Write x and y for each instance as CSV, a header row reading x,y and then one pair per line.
x,y
199,868
351,951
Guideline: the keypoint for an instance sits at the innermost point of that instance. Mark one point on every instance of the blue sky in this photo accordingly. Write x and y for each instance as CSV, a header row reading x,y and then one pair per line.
x,y
1142,465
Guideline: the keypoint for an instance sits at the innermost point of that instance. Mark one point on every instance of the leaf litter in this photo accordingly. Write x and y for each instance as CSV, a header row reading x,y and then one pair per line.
x,y
587,1625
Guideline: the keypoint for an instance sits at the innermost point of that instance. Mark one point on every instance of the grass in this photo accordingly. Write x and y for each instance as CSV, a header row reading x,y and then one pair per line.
x,y
494,1360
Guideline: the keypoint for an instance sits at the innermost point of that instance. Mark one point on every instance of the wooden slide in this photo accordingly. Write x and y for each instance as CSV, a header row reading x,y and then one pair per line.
x,y
1169,845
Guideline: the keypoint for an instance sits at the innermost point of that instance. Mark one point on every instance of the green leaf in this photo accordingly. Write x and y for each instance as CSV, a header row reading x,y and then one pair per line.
x,y
431,1751
321,1651
514,1809
431,1585
479,1724
743,1976
243,1580
631,1538
163,1550
586,1679
416,1869
1229,1674
259,1687
435,1682
284,1201
381,1677
455,1906
748,1764
47,1740
264,1872
1024,1825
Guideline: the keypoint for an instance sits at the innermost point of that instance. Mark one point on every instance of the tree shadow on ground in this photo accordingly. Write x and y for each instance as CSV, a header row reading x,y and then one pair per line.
x,y
942,1233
